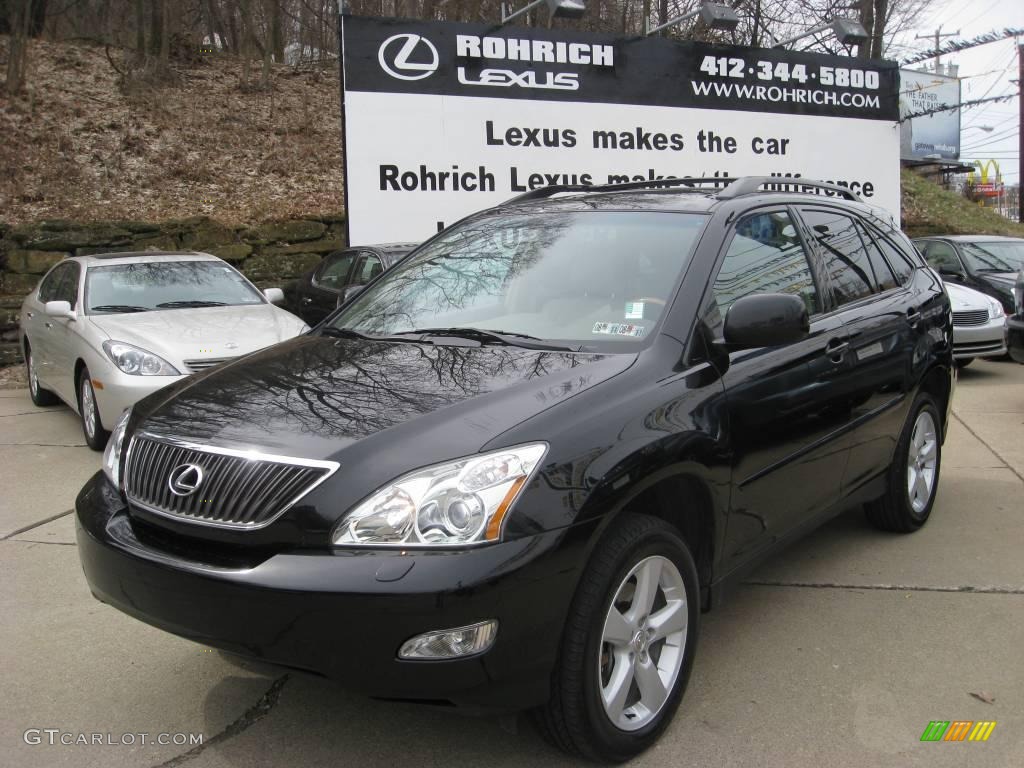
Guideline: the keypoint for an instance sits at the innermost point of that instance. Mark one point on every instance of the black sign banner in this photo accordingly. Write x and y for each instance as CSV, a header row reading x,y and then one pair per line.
x,y
476,60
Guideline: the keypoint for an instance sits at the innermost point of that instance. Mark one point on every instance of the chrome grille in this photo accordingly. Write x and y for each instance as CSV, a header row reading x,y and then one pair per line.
x,y
971,317
195,366
238,489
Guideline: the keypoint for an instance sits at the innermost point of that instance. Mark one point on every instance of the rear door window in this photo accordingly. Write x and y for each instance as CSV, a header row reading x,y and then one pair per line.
x,y
885,279
901,264
845,256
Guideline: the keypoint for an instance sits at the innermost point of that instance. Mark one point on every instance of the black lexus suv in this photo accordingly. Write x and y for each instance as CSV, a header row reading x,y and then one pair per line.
x,y
514,470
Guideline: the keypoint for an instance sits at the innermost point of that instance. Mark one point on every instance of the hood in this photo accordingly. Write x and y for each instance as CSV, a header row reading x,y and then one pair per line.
x,y
999,279
206,332
313,397
963,298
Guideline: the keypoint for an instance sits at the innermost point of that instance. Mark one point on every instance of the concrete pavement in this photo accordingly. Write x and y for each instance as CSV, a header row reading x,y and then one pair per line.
x,y
838,652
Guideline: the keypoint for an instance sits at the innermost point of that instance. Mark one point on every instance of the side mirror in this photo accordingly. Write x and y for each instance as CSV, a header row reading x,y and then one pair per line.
x,y
766,320
274,295
59,309
949,269
349,293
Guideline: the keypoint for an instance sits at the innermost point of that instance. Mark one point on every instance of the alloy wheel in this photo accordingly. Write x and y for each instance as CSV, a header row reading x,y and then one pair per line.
x,y
88,408
642,643
33,377
921,462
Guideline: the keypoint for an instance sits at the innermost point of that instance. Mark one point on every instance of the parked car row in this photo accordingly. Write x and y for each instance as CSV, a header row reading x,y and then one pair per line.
x,y
980,272
551,456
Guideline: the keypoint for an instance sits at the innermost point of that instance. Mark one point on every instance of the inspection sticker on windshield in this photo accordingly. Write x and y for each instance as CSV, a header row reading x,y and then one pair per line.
x,y
634,310
618,329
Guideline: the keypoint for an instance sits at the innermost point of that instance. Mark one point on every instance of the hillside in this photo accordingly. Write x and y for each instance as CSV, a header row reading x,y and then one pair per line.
x,y
79,146
928,209
82,147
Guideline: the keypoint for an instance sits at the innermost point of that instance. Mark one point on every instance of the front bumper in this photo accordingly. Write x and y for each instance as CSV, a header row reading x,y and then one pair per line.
x,y
1015,337
116,391
987,340
344,614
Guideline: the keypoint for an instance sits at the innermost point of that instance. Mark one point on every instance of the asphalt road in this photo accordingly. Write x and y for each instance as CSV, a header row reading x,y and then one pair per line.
x,y
837,653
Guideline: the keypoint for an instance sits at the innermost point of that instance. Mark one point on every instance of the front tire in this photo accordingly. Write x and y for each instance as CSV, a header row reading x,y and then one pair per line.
x,y
628,645
913,477
95,435
41,397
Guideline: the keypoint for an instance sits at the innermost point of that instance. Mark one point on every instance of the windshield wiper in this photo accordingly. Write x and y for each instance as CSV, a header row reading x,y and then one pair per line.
x,y
485,336
348,333
190,303
118,308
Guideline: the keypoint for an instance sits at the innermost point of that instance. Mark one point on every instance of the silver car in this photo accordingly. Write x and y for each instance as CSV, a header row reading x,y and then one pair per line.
x,y
102,332
979,325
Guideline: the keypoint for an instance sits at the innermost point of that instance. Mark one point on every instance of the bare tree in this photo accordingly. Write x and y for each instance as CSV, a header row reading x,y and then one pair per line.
x,y
19,19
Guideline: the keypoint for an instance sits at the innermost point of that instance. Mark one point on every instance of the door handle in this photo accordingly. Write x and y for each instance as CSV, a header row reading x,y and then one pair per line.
x,y
30,315
48,325
836,350
913,316
307,300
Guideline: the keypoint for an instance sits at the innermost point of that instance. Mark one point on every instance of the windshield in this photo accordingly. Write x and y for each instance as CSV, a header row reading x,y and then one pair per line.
x,y
158,285
588,279
994,257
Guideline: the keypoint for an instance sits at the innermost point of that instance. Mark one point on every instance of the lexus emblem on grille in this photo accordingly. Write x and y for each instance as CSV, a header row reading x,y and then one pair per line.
x,y
185,479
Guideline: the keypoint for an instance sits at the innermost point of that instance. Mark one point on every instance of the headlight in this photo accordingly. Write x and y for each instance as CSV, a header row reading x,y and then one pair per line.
x,y
460,502
112,454
138,362
995,309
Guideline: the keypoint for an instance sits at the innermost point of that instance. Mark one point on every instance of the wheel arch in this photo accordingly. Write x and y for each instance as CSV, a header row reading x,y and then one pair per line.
x,y
683,496
938,382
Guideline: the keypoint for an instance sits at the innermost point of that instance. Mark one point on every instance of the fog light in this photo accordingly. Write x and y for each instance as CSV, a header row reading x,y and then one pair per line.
x,y
451,643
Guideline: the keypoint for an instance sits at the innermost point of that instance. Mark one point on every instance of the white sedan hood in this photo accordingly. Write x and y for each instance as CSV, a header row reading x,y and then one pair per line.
x,y
207,333
963,298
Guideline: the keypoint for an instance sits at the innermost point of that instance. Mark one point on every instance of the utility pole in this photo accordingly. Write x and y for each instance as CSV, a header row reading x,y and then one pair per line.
x,y
937,37
1020,133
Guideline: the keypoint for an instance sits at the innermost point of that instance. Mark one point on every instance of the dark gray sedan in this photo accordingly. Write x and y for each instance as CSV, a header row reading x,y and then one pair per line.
x,y
317,293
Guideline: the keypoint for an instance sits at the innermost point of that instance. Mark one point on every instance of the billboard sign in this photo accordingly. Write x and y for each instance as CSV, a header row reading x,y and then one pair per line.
x,y
443,119
937,134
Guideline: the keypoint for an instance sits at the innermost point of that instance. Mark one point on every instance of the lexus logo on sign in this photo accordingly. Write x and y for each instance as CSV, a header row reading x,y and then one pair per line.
x,y
403,57
185,479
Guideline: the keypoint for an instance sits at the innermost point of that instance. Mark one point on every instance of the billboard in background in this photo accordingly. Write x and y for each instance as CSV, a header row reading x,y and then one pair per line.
x,y
935,134
443,119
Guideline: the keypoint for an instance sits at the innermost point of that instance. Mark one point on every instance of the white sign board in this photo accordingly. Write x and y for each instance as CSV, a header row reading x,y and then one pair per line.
x,y
928,135
442,120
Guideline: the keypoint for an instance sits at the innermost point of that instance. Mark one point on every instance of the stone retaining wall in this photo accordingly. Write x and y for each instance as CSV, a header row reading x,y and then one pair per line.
x,y
269,254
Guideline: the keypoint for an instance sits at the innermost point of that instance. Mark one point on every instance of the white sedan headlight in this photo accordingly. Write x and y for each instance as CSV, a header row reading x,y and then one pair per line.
x,y
114,449
138,362
995,309
452,504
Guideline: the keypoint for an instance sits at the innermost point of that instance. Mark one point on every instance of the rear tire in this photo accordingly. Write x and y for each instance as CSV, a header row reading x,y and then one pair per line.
x,y
95,435
41,397
628,645
913,477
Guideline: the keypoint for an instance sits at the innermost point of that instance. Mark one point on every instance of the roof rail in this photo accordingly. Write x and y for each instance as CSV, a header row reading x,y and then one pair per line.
x,y
749,185
555,189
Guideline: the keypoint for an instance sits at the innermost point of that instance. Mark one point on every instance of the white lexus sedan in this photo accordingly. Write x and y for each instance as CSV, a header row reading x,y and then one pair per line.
x,y
979,325
102,332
